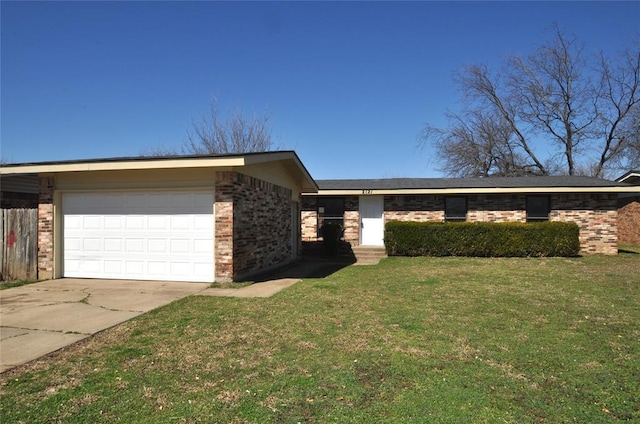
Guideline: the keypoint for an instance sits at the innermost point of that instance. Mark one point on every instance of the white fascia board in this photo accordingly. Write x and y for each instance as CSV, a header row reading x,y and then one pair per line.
x,y
495,190
53,168
292,162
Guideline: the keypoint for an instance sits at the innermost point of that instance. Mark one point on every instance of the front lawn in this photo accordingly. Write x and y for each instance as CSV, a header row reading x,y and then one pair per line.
x,y
418,340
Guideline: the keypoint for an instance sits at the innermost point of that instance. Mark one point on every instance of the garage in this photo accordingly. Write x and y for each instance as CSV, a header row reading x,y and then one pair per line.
x,y
158,235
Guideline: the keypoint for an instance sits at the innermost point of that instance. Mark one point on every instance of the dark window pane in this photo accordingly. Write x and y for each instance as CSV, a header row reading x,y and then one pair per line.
x,y
330,210
455,208
538,208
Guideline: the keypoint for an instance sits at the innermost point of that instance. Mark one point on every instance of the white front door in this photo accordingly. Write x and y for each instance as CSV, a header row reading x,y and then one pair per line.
x,y
371,220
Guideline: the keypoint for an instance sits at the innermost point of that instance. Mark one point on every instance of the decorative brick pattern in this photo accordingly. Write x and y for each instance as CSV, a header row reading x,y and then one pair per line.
x,y
253,225
45,228
629,222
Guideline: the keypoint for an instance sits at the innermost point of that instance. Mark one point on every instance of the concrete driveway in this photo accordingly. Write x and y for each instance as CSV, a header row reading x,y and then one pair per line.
x,y
40,318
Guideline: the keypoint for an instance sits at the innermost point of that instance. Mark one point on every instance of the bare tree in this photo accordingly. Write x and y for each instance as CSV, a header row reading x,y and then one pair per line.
x,y
212,134
554,111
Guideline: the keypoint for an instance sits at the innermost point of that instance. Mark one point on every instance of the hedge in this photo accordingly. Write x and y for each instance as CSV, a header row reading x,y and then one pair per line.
x,y
488,239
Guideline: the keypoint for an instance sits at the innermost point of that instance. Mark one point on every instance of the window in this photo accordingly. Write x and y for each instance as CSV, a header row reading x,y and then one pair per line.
x,y
330,210
455,208
538,208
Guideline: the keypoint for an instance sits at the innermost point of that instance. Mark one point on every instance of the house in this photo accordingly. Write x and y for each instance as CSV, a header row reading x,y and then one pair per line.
x,y
19,191
363,207
629,211
226,217
200,218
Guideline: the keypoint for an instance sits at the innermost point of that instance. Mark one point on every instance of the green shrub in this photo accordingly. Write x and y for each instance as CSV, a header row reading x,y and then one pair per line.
x,y
488,239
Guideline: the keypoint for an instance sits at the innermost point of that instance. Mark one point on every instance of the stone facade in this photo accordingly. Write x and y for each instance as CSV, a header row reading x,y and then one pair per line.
x,y
253,225
45,229
629,221
595,214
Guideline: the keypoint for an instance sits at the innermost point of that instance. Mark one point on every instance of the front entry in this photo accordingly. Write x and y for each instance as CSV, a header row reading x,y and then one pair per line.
x,y
371,220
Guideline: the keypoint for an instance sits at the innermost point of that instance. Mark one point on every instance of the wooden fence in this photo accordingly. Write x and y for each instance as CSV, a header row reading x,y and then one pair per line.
x,y
19,252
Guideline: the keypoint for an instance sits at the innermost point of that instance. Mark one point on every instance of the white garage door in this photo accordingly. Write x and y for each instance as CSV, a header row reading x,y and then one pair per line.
x,y
139,235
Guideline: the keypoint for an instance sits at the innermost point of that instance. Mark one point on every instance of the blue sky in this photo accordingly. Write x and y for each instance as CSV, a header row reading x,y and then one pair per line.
x,y
348,85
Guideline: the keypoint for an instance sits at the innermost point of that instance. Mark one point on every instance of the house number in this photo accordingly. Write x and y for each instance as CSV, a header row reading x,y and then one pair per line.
x,y
367,191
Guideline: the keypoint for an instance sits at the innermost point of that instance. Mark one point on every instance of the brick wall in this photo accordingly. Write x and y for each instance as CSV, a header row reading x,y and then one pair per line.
x,y
629,222
253,225
309,218
496,208
595,214
352,220
423,208
45,229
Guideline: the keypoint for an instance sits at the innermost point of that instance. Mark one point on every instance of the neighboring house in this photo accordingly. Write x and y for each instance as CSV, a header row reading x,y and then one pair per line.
x,y
362,207
200,218
19,191
629,211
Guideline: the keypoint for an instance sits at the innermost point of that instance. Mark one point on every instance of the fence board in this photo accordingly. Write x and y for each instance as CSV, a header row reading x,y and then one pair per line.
x,y
19,235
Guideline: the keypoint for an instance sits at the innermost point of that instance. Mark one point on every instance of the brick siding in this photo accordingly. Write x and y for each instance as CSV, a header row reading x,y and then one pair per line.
x,y
595,214
309,218
629,222
352,220
45,228
253,225
424,208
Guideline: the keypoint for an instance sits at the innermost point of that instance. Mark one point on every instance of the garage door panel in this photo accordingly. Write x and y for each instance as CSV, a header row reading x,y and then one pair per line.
x,y
139,236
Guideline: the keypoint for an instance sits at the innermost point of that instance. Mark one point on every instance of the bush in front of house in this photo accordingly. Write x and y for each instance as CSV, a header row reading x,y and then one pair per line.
x,y
331,235
485,239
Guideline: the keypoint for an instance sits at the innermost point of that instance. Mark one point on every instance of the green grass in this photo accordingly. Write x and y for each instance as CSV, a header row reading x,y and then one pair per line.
x,y
10,284
442,340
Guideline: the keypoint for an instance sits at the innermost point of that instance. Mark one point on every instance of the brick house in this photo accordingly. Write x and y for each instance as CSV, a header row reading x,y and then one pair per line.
x,y
200,218
629,211
226,217
362,207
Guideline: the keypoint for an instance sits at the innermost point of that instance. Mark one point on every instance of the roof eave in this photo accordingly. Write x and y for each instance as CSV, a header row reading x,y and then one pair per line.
x,y
476,190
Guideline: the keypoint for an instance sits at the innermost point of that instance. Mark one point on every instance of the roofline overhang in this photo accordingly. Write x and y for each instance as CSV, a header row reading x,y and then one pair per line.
x,y
462,190
290,158
628,175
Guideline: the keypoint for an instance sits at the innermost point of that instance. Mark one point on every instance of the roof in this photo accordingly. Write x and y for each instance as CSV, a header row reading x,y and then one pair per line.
x,y
471,185
289,159
631,177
